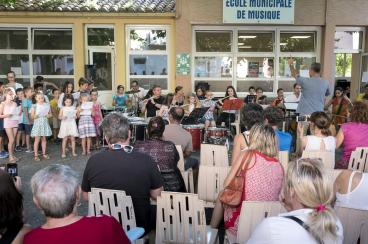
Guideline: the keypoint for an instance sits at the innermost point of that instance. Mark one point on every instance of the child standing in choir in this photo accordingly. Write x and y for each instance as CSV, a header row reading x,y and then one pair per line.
x,y
20,139
40,113
27,121
7,111
55,113
96,115
68,127
86,127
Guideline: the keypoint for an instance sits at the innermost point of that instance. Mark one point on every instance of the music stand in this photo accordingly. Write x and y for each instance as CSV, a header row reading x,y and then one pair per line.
x,y
195,116
232,104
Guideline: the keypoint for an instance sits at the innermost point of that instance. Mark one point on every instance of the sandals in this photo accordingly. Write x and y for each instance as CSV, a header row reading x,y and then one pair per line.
x,y
36,158
63,156
12,161
46,156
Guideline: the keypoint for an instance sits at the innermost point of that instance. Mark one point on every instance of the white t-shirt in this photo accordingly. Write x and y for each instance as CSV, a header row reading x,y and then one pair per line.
x,y
292,98
281,230
314,143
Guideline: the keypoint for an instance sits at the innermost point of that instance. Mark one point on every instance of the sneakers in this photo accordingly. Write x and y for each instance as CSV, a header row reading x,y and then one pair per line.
x,y
4,154
18,149
29,151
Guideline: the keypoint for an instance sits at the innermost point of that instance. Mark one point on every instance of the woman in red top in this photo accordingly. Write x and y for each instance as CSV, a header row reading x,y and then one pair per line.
x,y
340,106
262,174
56,191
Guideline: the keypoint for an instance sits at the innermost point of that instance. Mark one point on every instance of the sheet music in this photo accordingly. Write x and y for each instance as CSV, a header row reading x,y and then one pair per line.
x,y
86,108
42,110
291,106
70,113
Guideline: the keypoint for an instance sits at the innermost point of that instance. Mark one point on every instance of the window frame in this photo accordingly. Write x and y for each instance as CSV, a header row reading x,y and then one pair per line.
x,y
30,51
129,52
276,54
341,29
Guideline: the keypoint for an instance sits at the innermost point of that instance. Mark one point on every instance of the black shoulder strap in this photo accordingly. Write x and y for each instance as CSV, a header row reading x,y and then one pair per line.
x,y
299,221
245,138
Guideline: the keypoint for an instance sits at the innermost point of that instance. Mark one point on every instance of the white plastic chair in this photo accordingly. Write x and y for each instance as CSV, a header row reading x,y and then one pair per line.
x,y
327,157
186,174
215,155
359,159
333,174
284,159
353,222
252,213
116,204
181,219
211,182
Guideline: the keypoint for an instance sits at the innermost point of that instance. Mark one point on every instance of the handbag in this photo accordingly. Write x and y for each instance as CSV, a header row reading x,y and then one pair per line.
x,y
232,194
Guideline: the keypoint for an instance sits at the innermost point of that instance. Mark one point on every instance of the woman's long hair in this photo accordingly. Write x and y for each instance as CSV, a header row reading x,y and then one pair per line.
x,y
227,93
262,138
322,122
314,189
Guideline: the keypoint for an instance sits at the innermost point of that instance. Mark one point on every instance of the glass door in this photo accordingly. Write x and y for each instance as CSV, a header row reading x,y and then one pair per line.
x,y
103,73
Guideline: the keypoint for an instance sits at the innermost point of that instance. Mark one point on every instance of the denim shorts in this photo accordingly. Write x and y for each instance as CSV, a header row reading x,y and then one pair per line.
x,y
26,128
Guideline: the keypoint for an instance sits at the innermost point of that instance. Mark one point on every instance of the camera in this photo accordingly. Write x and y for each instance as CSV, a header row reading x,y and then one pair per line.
x,y
303,118
12,169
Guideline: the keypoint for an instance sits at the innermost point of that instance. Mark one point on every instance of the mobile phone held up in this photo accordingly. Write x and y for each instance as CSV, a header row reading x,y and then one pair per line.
x,y
12,169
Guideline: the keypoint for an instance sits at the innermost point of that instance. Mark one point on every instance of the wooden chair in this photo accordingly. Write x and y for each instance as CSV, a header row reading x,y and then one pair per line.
x,y
114,203
215,155
186,174
252,213
353,222
284,159
328,158
359,159
211,182
181,219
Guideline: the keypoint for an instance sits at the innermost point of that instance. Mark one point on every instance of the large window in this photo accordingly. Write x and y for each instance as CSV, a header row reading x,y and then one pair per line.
x,y
31,50
147,55
252,56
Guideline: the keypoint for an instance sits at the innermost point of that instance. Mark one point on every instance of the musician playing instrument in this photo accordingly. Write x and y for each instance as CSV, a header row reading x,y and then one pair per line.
x,y
166,105
279,101
119,101
209,120
227,116
153,103
340,106
193,103
179,96
137,94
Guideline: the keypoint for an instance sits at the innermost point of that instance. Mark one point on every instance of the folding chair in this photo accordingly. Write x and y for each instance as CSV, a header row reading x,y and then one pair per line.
x,y
215,155
181,219
186,174
359,159
252,213
327,157
353,221
116,204
284,159
211,182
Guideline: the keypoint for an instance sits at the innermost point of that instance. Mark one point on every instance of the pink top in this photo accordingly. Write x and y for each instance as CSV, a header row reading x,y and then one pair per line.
x,y
92,230
355,135
263,182
9,122
96,109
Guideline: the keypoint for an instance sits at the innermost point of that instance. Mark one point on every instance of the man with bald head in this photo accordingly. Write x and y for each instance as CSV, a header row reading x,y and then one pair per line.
x,y
176,134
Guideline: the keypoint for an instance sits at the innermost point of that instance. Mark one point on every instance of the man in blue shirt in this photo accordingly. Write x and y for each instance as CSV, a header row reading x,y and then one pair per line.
x,y
274,117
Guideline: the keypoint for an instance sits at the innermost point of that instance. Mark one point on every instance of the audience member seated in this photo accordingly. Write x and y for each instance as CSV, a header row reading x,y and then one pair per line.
x,y
12,228
321,140
164,154
351,190
176,134
250,114
354,133
121,168
275,116
56,191
262,172
307,195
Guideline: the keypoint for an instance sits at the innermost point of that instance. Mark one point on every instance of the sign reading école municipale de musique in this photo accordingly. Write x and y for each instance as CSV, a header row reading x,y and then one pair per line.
x,y
258,11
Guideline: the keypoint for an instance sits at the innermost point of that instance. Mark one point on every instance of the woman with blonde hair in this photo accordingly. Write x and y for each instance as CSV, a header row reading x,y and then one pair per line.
x,y
261,172
308,196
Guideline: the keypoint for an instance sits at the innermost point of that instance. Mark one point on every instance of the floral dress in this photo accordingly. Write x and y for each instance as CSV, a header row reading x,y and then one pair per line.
x,y
41,125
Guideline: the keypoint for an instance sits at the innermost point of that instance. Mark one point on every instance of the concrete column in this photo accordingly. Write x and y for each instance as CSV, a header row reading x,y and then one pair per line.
x,y
78,40
328,60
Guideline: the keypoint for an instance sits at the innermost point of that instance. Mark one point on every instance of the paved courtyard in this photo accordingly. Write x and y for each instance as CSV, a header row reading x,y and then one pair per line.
x,y
26,169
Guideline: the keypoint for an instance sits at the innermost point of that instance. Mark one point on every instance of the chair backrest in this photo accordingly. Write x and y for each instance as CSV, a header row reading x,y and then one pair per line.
x,y
215,155
333,174
352,221
252,213
327,157
359,159
181,158
211,181
180,218
114,203
284,159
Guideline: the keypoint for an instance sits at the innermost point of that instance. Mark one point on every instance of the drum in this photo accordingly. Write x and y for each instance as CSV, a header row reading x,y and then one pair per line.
x,y
197,134
138,129
216,136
